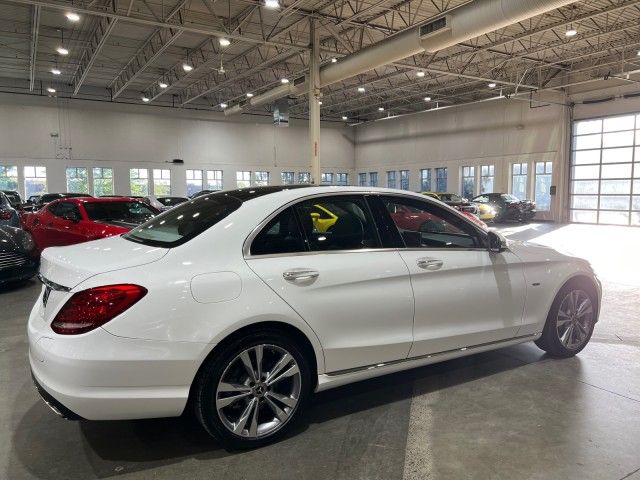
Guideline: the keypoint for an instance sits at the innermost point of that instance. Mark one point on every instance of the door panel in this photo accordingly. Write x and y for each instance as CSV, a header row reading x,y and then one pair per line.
x,y
359,304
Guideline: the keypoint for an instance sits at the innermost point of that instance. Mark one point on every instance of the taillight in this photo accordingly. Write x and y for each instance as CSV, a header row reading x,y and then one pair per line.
x,y
89,309
5,215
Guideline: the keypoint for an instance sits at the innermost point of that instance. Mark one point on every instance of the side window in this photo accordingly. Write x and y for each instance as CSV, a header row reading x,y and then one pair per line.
x,y
422,225
62,209
280,235
346,224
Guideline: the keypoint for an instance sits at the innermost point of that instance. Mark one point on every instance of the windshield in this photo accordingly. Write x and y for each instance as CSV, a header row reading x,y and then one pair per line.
x,y
184,222
509,198
134,212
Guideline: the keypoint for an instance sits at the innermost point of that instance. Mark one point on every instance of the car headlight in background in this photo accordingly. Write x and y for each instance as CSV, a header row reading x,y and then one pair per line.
x,y
27,242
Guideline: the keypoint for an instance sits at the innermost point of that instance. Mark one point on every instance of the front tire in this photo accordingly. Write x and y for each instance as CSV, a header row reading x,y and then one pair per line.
x,y
253,390
570,321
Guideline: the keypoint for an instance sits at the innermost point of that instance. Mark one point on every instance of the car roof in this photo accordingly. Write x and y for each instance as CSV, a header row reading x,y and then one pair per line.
x,y
82,200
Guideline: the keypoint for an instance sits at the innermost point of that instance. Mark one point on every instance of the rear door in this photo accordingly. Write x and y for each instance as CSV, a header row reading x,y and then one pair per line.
x,y
354,294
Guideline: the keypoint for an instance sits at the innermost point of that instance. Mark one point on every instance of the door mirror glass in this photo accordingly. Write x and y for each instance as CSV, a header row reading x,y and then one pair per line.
x,y
497,242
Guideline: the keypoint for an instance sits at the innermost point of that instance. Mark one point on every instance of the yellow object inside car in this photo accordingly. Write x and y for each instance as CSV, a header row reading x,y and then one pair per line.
x,y
485,211
322,218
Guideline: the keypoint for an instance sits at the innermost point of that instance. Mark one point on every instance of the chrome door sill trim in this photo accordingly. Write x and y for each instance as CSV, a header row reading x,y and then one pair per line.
x,y
421,357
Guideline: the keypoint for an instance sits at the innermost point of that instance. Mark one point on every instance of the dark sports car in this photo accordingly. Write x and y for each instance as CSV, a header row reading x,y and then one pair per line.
x,y
507,206
45,198
18,257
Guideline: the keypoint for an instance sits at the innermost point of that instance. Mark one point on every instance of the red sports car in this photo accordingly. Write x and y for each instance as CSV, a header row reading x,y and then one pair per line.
x,y
75,220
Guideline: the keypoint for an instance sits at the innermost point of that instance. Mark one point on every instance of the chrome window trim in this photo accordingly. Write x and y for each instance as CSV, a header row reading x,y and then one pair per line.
x,y
246,246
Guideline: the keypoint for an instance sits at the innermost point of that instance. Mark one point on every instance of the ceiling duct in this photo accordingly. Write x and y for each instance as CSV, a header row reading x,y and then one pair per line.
x,y
469,21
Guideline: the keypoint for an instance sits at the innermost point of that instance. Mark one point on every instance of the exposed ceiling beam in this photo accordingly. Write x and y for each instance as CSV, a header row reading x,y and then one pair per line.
x,y
35,25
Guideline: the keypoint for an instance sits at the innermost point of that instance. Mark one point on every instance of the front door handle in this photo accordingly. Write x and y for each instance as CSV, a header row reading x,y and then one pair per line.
x,y
430,263
300,274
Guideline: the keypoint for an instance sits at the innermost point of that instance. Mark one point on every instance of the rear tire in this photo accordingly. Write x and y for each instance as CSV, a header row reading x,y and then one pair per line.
x,y
242,410
570,321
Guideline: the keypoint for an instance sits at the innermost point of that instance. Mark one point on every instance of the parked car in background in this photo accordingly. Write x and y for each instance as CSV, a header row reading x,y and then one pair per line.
x,y
507,206
455,201
8,215
68,221
165,202
14,197
221,305
18,256
33,199
46,198
203,192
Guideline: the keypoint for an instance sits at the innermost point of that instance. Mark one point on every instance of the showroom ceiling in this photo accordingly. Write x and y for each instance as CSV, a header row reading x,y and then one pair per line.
x,y
172,54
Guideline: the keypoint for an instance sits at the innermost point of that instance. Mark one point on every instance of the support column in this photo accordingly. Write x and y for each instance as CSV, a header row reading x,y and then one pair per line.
x,y
314,106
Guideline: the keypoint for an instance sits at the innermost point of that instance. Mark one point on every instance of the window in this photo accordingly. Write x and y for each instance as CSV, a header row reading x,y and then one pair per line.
x,y
261,179
441,179
468,181
542,185
66,210
391,179
182,223
342,179
373,179
131,212
35,181
404,179
519,180
214,180
102,181
362,179
304,177
487,176
77,180
605,171
287,178
194,181
326,179
337,223
8,177
425,180
280,235
423,225
243,179
139,182
161,181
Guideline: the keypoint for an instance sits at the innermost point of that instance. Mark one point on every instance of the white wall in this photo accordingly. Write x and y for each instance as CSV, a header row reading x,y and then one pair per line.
x,y
98,134
499,132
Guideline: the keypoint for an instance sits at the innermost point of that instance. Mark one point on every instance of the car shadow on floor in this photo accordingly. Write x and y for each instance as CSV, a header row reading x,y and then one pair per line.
x,y
110,448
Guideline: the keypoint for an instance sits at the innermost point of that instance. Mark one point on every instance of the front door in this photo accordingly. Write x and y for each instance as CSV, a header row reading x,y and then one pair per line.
x,y
464,294
356,296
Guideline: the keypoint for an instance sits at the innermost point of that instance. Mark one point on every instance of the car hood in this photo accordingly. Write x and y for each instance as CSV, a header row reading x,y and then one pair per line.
x,y
69,266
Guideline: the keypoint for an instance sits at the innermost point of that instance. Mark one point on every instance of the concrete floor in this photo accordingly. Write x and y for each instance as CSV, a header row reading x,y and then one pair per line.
x,y
511,413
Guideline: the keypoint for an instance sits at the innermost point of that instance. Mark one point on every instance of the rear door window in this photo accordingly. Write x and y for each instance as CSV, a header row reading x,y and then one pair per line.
x,y
281,235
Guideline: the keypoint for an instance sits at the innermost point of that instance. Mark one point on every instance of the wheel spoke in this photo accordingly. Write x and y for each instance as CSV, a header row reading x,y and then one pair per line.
x,y
287,373
288,401
572,302
259,353
283,362
584,308
253,429
242,421
582,330
233,387
563,315
281,414
566,337
246,360
563,321
226,401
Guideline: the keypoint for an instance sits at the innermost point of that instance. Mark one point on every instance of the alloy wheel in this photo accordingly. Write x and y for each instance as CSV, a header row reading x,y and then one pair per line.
x,y
259,391
575,319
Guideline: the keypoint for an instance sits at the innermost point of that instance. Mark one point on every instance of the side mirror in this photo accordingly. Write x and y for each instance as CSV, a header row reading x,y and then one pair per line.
x,y
497,242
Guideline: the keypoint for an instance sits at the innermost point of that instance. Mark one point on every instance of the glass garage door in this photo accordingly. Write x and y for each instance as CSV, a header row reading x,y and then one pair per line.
x,y
605,171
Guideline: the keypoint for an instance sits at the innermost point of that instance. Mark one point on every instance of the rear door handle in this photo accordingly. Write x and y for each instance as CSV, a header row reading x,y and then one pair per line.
x,y
430,263
300,274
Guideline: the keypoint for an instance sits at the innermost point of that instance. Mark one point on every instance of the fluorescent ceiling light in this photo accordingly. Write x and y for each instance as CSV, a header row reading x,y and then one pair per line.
x,y
186,67
420,73
72,16
319,102
271,3
427,99
62,51
51,90
223,105
361,89
224,42
571,32
344,117
334,60
492,85
55,71
284,80
145,99
162,84
249,95
381,109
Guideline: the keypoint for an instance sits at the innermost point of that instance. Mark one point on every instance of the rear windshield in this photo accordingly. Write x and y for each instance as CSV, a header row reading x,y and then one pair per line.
x,y
184,222
134,212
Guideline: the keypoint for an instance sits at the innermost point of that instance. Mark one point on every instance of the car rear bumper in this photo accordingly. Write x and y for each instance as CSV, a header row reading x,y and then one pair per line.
x,y
99,376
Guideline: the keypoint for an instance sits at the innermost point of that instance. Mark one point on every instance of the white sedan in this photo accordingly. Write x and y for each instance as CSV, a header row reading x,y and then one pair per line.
x,y
240,304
